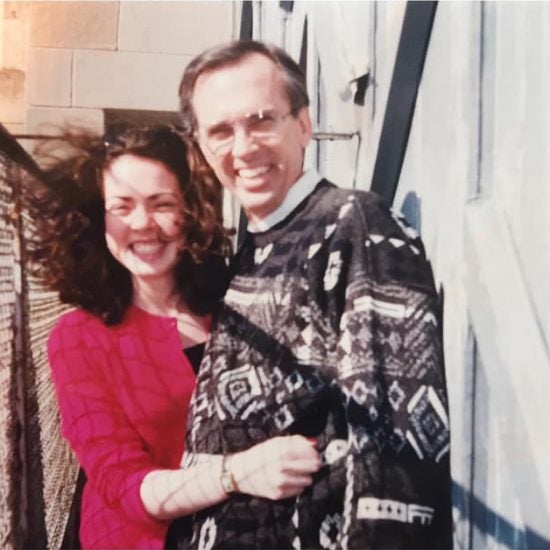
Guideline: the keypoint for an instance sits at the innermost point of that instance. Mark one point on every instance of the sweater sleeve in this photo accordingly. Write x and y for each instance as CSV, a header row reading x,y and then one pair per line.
x,y
388,369
106,444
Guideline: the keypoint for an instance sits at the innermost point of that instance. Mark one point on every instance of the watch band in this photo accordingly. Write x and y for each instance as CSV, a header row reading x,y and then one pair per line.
x,y
227,480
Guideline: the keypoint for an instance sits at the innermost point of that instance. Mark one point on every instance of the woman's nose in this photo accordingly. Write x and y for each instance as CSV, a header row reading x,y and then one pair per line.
x,y
141,218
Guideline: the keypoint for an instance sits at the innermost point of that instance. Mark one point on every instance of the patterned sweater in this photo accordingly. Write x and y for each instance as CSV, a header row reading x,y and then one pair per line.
x,y
330,328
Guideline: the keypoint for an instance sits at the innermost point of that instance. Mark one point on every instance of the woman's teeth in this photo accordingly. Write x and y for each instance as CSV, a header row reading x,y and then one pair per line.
x,y
147,248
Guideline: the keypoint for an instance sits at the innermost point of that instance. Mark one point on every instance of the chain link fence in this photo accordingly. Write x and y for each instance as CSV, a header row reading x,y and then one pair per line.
x,y
37,469
11,406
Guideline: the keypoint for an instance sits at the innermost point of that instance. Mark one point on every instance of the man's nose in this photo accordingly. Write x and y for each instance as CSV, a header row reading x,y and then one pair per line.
x,y
243,142
141,218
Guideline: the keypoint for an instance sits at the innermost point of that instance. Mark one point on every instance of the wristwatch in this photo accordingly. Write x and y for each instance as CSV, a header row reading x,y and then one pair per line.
x,y
227,481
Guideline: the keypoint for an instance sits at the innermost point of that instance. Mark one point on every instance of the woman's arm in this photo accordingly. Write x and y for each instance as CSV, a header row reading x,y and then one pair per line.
x,y
107,445
278,468
114,456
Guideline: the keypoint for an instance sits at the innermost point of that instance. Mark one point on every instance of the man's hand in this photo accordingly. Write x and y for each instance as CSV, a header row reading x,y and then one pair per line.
x,y
278,468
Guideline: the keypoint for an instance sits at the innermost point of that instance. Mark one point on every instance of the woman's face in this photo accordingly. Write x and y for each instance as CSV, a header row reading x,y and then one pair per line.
x,y
143,216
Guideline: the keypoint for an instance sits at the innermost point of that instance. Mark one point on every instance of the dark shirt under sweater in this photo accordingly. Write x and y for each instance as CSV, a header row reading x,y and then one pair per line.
x,y
330,328
194,354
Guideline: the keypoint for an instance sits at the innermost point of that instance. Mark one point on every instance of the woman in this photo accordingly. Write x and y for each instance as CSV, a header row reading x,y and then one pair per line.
x,y
131,237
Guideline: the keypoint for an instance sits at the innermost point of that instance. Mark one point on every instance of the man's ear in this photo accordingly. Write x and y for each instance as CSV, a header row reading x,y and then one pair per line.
x,y
304,121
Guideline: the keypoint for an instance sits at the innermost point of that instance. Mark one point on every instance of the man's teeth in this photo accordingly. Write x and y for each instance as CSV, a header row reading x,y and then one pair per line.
x,y
147,248
253,172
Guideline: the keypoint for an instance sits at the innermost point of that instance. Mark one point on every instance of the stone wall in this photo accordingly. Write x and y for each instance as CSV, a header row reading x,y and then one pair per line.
x,y
65,62
14,46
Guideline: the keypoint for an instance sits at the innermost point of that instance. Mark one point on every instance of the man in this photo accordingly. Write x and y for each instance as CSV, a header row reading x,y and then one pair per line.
x,y
329,329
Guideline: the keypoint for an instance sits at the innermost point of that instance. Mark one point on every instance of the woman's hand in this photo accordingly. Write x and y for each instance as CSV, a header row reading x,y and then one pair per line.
x,y
278,468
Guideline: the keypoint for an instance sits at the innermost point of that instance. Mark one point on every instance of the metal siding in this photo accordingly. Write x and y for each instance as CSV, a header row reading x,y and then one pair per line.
x,y
481,130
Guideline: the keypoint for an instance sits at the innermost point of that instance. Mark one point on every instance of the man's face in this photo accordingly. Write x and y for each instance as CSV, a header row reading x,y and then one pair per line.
x,y
261,158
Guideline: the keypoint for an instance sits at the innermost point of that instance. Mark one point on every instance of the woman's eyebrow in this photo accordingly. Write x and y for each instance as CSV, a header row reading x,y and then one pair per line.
x,y
127,198
164,194
118,197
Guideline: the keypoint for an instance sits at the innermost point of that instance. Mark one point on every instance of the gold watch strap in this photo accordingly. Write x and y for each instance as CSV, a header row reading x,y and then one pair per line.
x,y
227,480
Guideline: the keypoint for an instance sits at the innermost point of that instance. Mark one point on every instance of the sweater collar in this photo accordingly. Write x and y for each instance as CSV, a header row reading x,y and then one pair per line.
x,y
303,187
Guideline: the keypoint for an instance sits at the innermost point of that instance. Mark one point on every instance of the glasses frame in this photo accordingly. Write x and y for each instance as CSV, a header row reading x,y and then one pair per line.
x,y
244,122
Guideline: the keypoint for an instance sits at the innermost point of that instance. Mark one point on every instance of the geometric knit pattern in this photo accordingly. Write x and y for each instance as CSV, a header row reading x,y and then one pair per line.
x,y
330,329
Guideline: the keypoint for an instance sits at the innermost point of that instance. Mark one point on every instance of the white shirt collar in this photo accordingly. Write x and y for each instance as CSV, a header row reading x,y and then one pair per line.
x,y
296,194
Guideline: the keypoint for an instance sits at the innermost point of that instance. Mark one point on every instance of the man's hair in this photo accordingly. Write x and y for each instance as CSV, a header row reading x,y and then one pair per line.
x,y
233,53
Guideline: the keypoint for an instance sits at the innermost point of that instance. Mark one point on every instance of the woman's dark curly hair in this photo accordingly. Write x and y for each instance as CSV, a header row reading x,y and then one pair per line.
x,y
68,250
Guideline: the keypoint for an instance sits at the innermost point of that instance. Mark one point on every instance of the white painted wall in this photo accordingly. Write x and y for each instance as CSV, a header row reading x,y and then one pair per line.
x,y
476,172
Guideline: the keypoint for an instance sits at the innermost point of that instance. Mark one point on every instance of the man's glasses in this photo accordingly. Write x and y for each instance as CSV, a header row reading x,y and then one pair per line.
x,y
259,126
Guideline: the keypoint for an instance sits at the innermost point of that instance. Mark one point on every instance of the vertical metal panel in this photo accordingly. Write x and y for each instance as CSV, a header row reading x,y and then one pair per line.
x,y
481,129
515,489
246,29
486,91
407,73
521,141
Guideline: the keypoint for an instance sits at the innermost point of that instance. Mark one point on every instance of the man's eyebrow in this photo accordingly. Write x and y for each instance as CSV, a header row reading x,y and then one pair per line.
x,y
219,124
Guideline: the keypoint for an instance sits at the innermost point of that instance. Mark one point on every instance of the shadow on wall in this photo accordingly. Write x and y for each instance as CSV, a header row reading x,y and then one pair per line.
x,y
483,519
411,210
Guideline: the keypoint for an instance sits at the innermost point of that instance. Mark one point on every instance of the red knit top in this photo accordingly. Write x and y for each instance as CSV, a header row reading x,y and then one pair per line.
x,y
123,393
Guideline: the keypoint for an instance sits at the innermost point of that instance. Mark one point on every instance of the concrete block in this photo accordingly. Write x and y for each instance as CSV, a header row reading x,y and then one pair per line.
x,y
13,9
50,121
49,77
15,127
74,24
135,80
174,27
12,97
15,36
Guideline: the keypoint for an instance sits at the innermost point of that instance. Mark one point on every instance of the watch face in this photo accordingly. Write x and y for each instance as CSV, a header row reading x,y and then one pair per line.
x,y
227,480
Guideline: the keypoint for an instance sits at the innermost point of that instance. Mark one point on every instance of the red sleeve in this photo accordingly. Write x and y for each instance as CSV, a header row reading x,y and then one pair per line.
x,y
108,447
